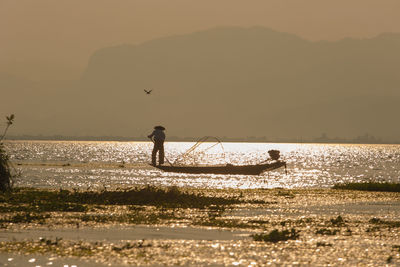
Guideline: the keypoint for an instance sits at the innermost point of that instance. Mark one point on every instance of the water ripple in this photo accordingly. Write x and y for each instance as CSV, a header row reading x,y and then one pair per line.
x,y
58,164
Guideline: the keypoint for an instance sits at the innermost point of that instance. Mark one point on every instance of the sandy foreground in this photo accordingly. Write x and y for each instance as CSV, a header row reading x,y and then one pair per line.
x,y
334,227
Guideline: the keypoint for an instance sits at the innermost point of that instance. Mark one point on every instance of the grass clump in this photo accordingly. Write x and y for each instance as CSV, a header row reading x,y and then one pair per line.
x,y
37,201
5,168
141,205
26,218
370,186
275,236
137,217
383,222
221,223
43,200
44,207
128,246
325,231
338,221
57,247
373,229
150,195
323,244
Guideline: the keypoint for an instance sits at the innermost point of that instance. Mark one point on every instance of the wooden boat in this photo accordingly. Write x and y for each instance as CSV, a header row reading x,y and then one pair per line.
x,y
226,169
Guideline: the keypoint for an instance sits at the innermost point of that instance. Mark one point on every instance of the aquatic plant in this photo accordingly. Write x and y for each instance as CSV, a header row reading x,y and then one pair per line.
x,y
276,236
65,200
50,242
323,244
370,186
150,195
348,232
5,168
383,222
338,221
128,245
26,218
136,217
225,223
141,205
326,231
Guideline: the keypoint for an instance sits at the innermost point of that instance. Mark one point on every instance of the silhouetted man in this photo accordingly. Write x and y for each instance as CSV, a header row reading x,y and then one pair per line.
x,y
158,136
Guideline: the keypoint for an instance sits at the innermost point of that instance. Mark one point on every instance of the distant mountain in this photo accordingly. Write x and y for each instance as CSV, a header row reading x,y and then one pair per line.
x,y
238,82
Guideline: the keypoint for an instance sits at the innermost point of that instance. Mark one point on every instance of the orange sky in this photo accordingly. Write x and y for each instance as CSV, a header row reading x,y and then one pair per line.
x,y
66,32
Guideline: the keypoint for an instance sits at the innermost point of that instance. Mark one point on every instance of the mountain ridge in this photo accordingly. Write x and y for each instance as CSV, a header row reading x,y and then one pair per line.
x,y
236,82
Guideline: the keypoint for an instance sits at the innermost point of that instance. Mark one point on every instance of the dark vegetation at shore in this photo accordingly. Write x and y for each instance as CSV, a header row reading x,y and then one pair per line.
x,y
65,200
29,208
139,205
5,170
369,186
5,167
378,221
275,236
165,205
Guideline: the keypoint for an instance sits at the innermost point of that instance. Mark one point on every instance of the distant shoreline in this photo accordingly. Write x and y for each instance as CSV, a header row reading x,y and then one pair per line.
x,y
192,139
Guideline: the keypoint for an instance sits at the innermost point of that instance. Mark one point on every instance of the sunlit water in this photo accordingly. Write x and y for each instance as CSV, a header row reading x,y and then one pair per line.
x,y
65,164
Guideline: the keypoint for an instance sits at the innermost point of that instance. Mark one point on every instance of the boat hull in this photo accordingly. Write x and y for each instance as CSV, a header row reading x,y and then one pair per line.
x,y
228,169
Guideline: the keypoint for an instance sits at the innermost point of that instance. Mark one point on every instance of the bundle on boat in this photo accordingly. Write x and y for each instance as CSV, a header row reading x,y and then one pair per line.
x,y
256,169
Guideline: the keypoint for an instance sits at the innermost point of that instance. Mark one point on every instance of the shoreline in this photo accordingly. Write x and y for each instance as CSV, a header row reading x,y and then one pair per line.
x,y
191,140
337,227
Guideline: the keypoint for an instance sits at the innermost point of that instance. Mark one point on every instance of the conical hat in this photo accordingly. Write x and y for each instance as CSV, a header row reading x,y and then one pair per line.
x,y
159,127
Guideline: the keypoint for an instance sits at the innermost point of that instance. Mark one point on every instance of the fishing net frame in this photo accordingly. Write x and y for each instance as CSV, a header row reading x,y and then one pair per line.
x,y
190,152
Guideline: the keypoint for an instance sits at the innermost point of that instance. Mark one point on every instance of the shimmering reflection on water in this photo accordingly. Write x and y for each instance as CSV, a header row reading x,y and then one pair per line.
x,y
97,164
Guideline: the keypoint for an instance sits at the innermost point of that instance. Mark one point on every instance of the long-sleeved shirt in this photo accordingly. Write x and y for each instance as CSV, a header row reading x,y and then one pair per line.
x,y
158,135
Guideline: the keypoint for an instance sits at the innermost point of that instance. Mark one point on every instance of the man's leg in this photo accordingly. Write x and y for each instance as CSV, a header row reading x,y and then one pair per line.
x,y
153,155
161,154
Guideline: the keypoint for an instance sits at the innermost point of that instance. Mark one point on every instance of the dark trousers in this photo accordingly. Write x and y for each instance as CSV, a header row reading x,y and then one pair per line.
x,y
158,147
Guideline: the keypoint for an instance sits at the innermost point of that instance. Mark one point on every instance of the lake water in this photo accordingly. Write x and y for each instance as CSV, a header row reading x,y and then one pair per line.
x,y
76,164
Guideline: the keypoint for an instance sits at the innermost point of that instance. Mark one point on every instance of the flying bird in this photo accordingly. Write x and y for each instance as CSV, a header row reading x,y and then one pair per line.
x,y
148,92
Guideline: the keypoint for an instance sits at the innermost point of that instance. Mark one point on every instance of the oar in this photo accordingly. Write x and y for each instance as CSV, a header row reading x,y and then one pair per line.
x,y
164,153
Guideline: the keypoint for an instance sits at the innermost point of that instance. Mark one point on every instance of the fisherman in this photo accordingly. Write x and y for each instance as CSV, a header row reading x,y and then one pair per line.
x,y
158,137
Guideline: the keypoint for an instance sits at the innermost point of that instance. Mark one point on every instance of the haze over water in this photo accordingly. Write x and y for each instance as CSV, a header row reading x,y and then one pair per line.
x,y
69,164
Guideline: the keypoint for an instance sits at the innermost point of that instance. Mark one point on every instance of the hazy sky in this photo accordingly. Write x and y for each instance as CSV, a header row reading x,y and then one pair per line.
x,y
41,38
53,39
